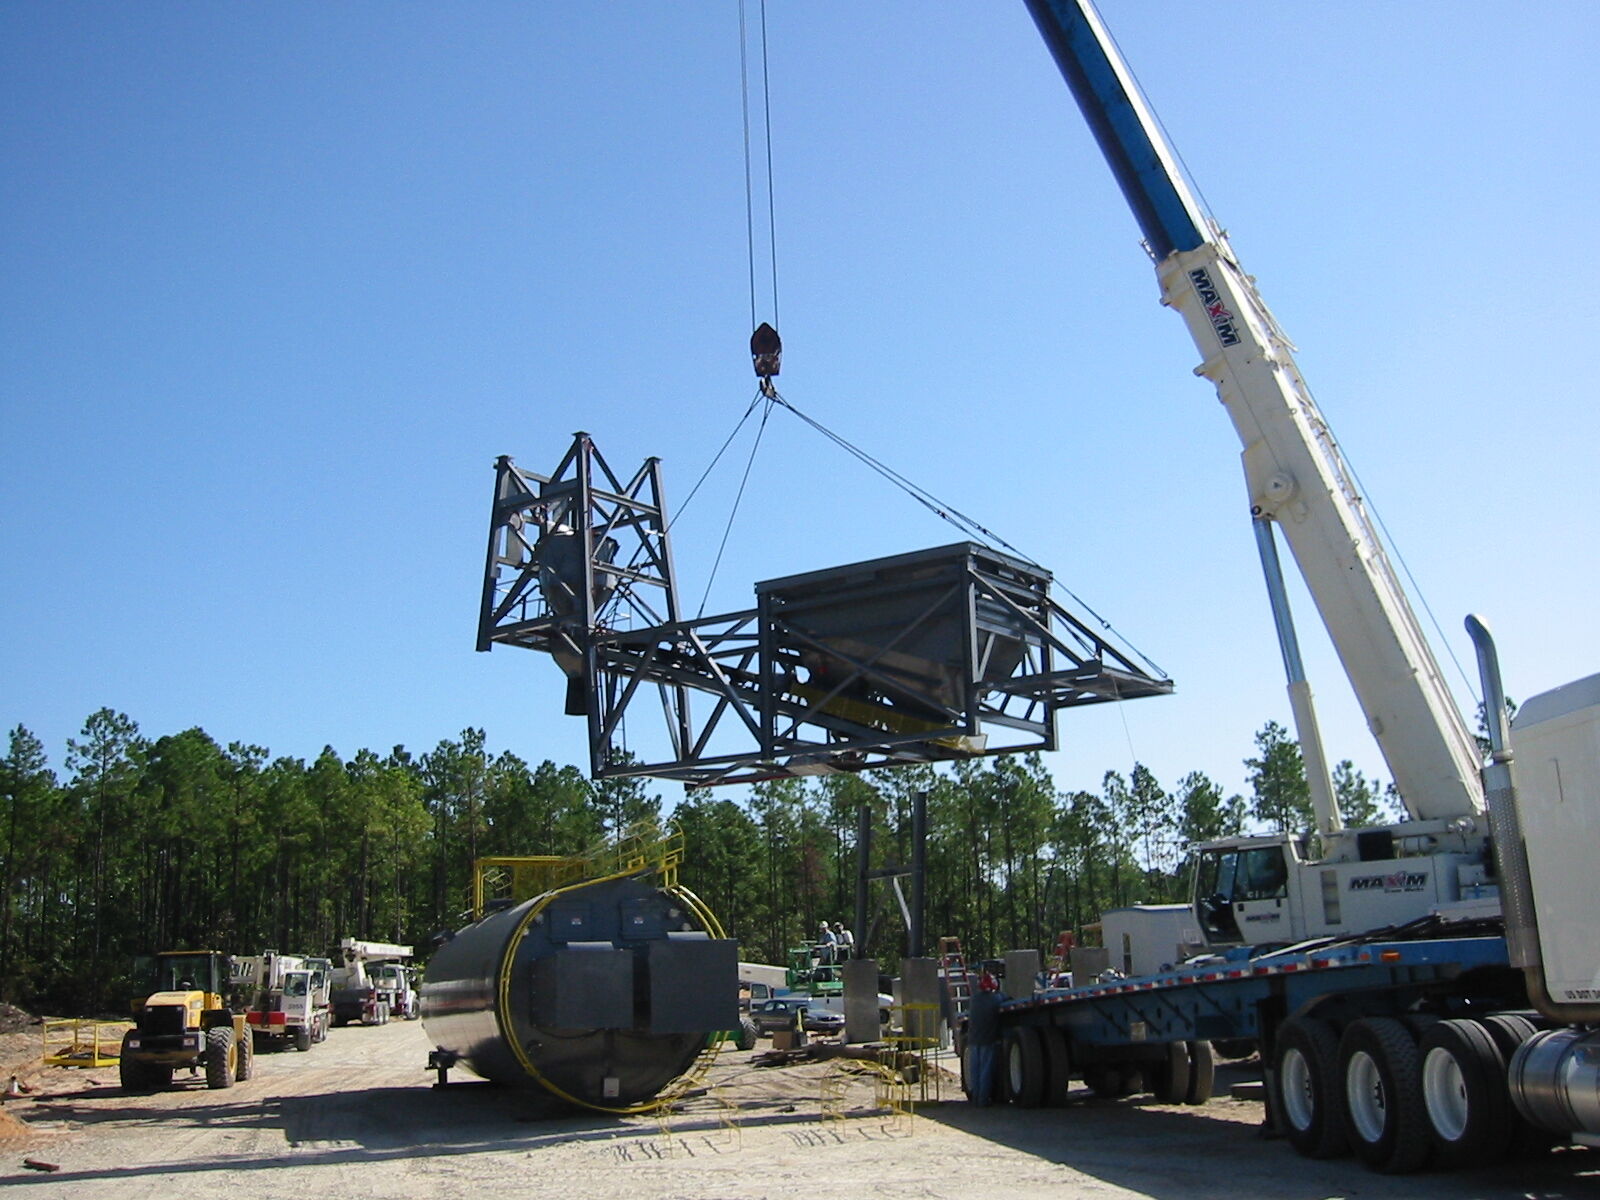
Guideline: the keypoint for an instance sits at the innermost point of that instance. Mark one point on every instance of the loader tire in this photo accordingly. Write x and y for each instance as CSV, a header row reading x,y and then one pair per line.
x,y
221,1057
137,1076
247,1059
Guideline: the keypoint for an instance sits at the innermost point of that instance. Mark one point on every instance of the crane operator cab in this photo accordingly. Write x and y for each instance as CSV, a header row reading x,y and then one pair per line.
x,y
1241,890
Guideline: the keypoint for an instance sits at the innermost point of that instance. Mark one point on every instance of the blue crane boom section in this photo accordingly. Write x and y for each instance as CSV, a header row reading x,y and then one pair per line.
x,y
1145,167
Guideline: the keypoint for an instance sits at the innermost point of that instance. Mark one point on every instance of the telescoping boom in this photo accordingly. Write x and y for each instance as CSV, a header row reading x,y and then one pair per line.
x,y
1296,477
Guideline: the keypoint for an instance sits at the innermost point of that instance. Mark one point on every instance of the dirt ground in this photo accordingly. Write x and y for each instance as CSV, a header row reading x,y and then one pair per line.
x,y
358,1116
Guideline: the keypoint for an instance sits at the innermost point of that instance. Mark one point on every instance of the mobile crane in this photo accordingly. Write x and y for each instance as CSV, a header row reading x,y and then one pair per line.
x,y
1260,890
1398,1011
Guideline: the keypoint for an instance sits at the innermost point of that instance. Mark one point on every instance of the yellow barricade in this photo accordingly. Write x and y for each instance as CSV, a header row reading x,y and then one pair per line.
x,y
79,1042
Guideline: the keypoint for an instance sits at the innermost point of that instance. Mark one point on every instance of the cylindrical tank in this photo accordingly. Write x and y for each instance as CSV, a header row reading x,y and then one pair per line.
x,y
600,994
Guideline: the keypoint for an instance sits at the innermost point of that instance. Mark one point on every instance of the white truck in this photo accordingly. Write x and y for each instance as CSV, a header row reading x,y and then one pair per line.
x,y
1426,992
371,982
286,997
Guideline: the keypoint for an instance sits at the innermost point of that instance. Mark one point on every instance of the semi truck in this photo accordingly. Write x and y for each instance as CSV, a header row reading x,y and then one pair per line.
x,y
1424,992
286,998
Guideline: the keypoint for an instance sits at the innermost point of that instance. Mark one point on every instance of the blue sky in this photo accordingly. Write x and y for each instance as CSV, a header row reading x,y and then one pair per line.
x,y
280,281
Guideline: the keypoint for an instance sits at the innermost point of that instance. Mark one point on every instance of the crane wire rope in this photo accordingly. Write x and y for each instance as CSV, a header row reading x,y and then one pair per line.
x,y
749,182
744,479
623,593
952,515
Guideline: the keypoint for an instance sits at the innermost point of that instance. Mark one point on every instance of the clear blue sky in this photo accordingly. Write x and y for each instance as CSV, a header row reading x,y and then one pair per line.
x,y
280,281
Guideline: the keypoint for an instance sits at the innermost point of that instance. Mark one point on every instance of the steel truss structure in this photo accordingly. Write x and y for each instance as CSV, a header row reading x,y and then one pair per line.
x,y
942,654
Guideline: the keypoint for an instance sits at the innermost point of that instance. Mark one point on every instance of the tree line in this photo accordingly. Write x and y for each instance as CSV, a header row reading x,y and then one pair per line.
x,y
180,842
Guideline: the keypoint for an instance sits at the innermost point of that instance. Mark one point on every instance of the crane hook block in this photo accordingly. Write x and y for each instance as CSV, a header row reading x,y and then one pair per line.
x,y
766,349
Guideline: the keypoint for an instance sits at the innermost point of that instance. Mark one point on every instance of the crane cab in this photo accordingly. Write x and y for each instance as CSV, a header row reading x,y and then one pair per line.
x,y
1241,890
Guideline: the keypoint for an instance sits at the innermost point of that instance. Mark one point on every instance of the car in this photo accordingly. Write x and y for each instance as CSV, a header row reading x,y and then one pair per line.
x,y
777,1014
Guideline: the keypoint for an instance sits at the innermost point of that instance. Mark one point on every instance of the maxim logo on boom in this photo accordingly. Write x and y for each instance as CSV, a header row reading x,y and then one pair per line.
x,y
1222,320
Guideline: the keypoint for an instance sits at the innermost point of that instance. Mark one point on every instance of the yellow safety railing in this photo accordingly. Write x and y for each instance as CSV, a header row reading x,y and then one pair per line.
x,y
513,879
80,1042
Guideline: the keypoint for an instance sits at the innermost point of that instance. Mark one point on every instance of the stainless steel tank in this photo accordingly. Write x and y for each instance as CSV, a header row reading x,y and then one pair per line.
x,y
600,994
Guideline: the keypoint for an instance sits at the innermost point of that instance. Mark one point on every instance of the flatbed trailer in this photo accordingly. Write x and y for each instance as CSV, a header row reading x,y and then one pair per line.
x,y
1314,1009
1247,997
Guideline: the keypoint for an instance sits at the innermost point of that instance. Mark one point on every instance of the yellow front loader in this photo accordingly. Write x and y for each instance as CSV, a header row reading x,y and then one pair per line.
x,y
189,1020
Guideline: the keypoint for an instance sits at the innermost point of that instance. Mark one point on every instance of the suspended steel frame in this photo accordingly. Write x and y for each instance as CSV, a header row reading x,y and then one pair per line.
x,y
941,654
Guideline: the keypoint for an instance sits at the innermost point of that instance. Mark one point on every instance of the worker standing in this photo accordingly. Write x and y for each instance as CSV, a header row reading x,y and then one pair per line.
x,y
828,942
847,942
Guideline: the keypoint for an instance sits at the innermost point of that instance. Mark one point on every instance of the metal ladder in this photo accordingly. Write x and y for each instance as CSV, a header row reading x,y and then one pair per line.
x,y
957,979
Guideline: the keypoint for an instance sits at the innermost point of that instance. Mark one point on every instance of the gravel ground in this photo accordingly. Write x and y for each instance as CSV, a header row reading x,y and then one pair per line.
x,y
357,1116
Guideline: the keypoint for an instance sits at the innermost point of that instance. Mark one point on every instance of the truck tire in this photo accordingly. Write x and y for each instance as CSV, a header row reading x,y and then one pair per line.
x,y
1058,1063
1168,1079
1382,1073
1025,1068
1202,1072
247,1059
1308,1089
748,1035
1464,1092
221,1057
302,1037
1509,1031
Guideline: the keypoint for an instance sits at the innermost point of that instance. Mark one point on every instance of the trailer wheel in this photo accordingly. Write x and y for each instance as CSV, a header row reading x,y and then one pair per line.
x,y
1382,1072
1168,1080
1309,1088
1202,1072
1058,1066
1025,1067
222,1057
247,1060
1509,1031
1464,1091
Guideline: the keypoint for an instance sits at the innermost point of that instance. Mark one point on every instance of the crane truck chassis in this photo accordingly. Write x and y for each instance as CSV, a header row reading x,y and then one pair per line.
x,y
286,998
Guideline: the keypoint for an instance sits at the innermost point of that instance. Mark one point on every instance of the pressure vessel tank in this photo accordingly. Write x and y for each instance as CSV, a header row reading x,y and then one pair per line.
x,y
600,993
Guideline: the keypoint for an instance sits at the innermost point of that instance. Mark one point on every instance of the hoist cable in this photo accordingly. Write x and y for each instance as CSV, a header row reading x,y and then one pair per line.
x,y
749,171
727,529
625,589
749,186
954,516
772,210
924,497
